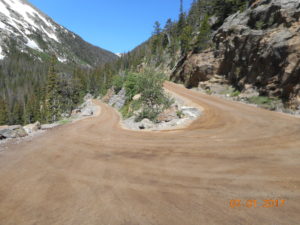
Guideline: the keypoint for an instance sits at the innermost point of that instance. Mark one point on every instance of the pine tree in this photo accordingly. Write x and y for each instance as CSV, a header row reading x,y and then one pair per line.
x,y
3,112
185,39
17,113
157,29
181,7
168,30
204,35
52,94
182,20
193,15
156,39
223,8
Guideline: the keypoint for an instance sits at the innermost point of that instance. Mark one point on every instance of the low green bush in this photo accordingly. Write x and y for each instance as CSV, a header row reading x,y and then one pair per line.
x,y
235,93
65,121
179,113
260,100
264,102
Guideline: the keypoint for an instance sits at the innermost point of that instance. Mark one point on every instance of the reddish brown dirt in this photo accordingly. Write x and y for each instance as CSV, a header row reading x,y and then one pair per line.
x,y
95,173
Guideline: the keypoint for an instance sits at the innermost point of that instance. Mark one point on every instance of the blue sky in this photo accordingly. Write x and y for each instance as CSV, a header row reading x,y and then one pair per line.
x,y
116,25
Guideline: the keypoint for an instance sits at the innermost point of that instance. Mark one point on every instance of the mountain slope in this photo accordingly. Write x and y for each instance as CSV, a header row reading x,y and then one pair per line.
x,y
28,41
32,32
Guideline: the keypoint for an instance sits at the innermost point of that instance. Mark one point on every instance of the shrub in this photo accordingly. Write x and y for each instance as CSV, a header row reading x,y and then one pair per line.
x,y
208,91
130,85
265,102
260,100
179,113
128,109
153,97
147,113
118,82
235,93
259,25
125,111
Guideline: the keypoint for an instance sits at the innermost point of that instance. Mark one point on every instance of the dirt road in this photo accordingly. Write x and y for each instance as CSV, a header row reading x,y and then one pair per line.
x,y
94,173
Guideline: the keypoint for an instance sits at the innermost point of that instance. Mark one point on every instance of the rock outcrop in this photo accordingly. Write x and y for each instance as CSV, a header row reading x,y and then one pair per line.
x,y
194,68
15,131
118,100
31,128
261,47
168,114
87,108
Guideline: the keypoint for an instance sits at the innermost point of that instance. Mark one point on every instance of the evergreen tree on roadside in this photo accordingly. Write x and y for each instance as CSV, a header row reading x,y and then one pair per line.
x,y
3,112
52,94
17,114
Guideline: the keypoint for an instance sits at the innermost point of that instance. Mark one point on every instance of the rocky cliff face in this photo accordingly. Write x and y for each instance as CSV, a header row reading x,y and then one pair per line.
x,y
261,46
258,47
195,68
25,29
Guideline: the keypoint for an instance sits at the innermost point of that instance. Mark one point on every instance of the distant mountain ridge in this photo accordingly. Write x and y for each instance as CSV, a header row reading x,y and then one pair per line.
x,y
28,30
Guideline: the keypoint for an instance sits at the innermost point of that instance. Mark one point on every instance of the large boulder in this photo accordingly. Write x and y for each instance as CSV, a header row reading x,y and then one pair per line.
x,y
75,112
137,97
88,97
31,128
261,47
87,103
88,111
194,68
190,112
168,114
13,132
146,124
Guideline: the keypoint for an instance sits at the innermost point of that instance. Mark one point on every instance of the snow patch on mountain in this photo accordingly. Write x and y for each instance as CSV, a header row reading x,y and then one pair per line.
x,y
2,25
1,54
3,9
61,59
32,44
52,36
25,18
119,54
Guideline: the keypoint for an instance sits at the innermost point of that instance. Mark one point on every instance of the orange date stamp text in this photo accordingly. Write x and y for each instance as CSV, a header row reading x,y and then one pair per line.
x,y
256,203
